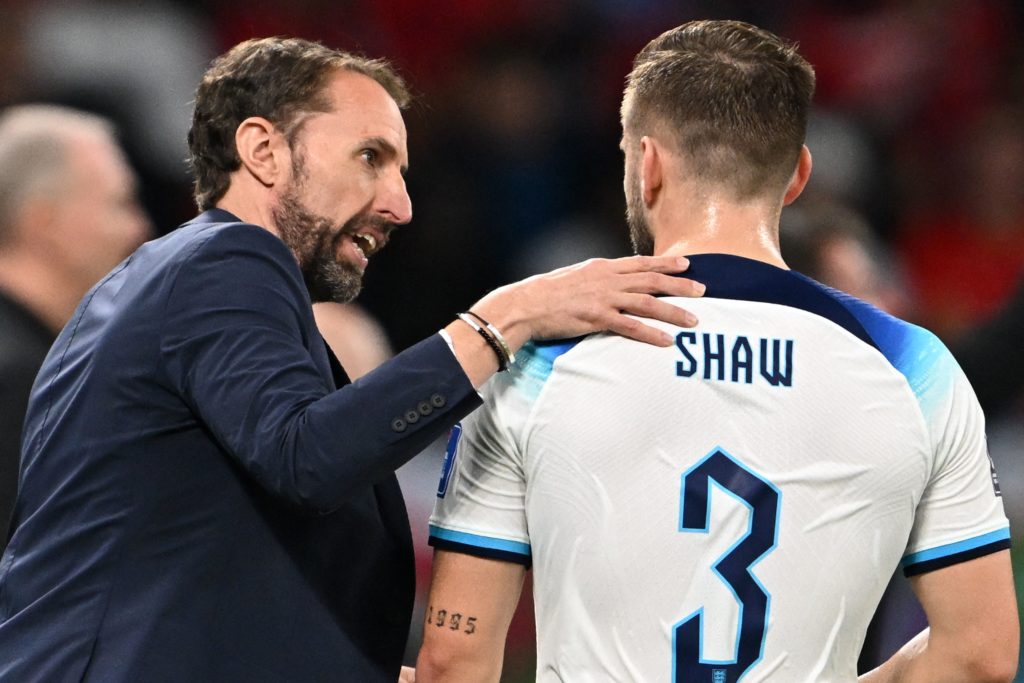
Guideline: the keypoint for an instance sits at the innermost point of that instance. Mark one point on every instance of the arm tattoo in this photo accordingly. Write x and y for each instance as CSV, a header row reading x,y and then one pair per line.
x,y
454,621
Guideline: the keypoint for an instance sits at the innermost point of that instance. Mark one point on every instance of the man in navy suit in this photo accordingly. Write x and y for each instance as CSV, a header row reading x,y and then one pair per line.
x,y
203,494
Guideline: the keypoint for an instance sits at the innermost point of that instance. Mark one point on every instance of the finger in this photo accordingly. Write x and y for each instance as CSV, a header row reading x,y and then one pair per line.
x,y
657,264
667,285
648,306
634,329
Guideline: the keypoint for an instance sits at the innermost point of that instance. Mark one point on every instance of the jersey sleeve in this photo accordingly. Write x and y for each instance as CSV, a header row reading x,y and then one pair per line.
x,y
481,497
960,515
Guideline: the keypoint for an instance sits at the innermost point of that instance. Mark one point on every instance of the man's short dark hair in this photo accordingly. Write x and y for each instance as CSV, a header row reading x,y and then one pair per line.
x,y
732,97
277,79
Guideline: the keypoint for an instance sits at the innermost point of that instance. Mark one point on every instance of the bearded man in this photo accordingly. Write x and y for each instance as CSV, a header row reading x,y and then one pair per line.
x,y
203,494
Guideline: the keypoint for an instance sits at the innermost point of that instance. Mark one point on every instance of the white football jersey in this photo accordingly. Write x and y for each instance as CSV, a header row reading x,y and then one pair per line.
x,y
731,507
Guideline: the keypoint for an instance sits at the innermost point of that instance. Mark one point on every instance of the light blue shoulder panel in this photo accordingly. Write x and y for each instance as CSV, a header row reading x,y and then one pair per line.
x,y
534,364
915,352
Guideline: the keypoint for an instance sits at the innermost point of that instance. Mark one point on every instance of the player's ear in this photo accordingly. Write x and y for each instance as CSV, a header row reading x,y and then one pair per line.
x,y
263,150
651,169
801,175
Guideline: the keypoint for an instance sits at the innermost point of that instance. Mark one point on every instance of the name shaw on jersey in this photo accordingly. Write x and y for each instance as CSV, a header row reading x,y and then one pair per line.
x,y
735,360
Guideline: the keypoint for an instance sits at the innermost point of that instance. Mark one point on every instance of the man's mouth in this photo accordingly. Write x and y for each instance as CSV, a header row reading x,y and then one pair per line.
x,y
366,243
360,246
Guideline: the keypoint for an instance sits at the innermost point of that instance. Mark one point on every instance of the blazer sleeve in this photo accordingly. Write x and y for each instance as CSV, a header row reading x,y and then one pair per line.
x,y
235,346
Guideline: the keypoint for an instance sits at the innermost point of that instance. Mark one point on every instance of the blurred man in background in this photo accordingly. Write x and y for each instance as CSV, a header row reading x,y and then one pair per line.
x,y
354,335
68,214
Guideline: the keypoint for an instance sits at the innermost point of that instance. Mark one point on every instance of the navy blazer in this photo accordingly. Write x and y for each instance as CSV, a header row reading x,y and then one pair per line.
x,y
199,501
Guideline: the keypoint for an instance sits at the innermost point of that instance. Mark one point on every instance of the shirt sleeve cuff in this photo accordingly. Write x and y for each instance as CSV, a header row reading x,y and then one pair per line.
x,y
480,546
954,553
451,347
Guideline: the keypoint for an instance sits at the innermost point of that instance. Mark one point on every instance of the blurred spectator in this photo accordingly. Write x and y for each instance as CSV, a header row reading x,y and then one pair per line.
x,y
836,246
846,167
68,214
354,335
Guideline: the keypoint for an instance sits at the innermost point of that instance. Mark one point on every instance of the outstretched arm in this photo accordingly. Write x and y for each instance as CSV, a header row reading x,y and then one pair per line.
x,y
973,632
469,608
598,295
235,348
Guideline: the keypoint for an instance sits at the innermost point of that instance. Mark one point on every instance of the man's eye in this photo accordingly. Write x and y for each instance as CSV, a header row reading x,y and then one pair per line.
x,y
370,156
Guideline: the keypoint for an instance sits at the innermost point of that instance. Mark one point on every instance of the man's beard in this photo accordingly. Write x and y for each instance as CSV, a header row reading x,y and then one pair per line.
x,y
314,242
640,235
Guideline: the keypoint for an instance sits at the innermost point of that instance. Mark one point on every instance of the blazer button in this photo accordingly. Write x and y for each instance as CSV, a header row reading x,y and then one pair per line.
x,y
425,408
412,417
398,424
438,401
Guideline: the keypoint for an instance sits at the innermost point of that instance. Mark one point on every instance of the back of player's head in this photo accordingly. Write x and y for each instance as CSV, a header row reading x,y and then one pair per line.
x,y
733,99
274,78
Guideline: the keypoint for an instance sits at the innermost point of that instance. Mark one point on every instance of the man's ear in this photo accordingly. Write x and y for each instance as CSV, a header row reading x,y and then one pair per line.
x,y
801,175
263,150
651,169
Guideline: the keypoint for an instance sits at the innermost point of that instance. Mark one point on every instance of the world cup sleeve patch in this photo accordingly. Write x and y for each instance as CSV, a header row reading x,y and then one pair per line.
x,y
450,451
995,478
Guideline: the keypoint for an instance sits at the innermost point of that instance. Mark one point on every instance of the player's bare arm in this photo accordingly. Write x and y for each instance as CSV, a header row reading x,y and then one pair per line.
x,y
973,632
594,296
469,608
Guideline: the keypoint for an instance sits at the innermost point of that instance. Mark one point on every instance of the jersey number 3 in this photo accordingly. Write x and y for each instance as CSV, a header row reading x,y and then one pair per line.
x,y
734,568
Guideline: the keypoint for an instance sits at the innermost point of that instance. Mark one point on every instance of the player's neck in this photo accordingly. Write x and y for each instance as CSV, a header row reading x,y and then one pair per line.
x,y
707,224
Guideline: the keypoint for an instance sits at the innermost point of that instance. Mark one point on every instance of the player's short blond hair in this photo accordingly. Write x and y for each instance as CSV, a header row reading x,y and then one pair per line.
x,y
733,98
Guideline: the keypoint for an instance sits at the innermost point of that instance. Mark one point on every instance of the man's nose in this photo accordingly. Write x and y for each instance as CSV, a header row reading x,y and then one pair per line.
x,y
395,203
